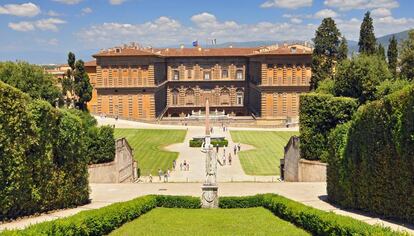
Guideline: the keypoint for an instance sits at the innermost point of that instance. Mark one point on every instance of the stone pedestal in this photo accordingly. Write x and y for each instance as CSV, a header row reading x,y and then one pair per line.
x,y
209,197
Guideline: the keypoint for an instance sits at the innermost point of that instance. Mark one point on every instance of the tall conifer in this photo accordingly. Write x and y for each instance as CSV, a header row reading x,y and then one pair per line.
x,y
343,49
367,41
392,54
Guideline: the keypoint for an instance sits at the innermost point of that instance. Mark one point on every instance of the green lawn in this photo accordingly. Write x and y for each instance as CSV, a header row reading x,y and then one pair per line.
x,y
248,221
148,147
264,160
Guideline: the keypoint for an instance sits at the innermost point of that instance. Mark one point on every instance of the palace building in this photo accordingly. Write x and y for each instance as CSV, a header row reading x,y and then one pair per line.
x,y
138,83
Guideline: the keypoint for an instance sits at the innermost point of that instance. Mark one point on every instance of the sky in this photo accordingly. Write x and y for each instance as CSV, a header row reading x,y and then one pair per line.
x,y
44,31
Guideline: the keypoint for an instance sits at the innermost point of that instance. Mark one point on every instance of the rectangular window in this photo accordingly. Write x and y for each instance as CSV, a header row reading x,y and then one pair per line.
x,y
207,75
176,75
225,74
189,73
239,75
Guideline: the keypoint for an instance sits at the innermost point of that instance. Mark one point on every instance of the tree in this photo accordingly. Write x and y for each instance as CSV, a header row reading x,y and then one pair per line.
x,y
82,86
367,42
71,60
325,53
407,57
392,54
360,76
381,52
343,49
30,79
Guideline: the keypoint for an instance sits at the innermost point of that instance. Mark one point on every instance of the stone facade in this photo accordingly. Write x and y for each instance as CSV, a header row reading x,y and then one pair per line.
x,y
146,84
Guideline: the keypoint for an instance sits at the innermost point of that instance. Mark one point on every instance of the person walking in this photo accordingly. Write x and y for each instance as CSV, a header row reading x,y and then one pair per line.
x,y
235,149
230,159
217,148
165,177
159,174
224,150
168,173
150,178
174,163
188,166
238,147
185,165
224,160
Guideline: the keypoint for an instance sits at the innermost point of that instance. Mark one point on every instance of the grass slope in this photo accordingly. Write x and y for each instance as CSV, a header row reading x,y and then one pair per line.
x,y
247,221
148,147
264,160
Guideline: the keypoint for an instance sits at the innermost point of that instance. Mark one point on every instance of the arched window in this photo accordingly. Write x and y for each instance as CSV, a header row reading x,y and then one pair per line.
x,y
189,97
175,95
225,97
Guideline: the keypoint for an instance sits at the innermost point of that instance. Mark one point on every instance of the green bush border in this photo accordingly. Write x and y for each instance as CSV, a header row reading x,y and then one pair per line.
x,y
214,142
104,220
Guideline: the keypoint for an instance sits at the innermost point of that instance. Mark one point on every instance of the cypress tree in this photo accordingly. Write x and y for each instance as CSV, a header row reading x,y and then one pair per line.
x,y
343,49
381,52
82,86
392,54
407,57
325,53
367,42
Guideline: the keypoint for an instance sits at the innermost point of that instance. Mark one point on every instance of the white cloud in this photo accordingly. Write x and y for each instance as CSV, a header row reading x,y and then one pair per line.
x,y
52,13
290,4
69,2
295,20
25,9
326,13
116,2
345,5
43,24
86,10
380,12
165,31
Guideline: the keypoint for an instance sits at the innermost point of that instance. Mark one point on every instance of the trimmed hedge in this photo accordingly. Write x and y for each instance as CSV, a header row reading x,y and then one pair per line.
x,y
104,220
371,164
319,114
316,221
43,164
214,142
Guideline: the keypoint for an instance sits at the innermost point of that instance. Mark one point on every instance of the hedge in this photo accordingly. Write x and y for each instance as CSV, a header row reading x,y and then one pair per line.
x,y
371,164
315,221
43,164
104,220
214,142
318,115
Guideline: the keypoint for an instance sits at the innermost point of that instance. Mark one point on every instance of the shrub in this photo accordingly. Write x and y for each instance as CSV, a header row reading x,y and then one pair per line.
x,y
214,142
100,144
178,202
43,160
373,160
319,114
320,222
241,202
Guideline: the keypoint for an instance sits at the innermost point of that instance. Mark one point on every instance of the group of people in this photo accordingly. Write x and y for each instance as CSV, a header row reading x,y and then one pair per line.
x,y
228,160
185,166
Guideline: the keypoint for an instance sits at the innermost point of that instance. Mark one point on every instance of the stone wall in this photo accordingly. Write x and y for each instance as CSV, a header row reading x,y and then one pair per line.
x,y
122,170
301,170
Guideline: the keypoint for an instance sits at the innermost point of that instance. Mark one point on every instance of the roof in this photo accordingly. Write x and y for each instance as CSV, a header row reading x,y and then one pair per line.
x,y
207,52
90,63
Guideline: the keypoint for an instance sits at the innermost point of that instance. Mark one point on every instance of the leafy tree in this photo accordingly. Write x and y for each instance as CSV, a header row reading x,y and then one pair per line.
x,y
407,57
30,79
360,76
326,87
82,86
392,54
390,86
381,52
343,49
367,41
325,53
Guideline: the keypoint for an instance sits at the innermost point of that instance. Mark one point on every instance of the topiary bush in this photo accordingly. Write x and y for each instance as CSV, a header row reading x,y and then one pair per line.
x,y
319,114
371,158
214,142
